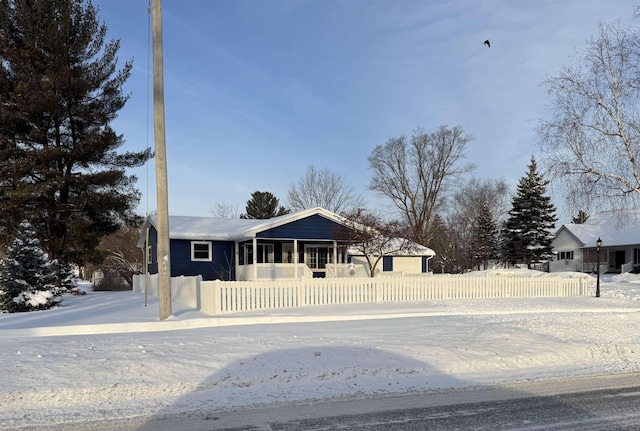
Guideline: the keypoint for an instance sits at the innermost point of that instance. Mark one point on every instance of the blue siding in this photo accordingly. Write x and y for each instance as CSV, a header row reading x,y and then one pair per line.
x,y
312,227
222,259
222,265
153,242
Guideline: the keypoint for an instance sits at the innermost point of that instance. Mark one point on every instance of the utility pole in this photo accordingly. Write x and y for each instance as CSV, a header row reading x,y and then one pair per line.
x,y
164,273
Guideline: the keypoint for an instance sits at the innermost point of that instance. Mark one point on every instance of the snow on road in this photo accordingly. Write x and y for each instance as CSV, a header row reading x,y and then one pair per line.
x,y
105,355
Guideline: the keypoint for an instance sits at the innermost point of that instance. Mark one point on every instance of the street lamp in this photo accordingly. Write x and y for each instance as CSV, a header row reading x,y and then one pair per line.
x,y
598,245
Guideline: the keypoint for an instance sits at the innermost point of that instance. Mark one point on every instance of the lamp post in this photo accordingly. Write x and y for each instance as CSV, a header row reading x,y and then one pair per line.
x,y
598,245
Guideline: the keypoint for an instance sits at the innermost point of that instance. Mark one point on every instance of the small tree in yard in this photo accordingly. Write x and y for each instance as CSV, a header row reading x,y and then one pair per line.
x,y
27,281
484,240
374,238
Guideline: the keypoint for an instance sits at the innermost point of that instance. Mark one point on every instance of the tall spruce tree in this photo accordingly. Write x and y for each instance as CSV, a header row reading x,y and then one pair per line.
x,y
527,235
60,88
263,205
27,279
484,236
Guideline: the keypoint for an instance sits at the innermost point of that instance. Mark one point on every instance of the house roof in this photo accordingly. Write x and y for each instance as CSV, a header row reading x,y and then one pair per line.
x,y
227,229
606,226
393,249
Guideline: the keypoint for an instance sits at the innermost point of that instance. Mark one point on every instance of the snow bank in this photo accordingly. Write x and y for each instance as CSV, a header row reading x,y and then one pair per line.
x,y
299,355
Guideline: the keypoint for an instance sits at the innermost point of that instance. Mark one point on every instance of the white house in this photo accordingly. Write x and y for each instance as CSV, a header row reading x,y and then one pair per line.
x,y
574,245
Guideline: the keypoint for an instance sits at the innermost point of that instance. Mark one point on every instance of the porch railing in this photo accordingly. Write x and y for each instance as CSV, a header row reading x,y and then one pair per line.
x,y
346,270
272,271
626,267
591,267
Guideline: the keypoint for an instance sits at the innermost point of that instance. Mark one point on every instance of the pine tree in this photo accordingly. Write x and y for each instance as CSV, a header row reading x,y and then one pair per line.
x,y
484,239
263,205
65,276
26,276
60,89
527,234
581,218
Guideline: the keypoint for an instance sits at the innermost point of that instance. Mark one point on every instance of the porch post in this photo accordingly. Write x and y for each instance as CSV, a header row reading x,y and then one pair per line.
x,y
255,258
295,257
236,261
335,257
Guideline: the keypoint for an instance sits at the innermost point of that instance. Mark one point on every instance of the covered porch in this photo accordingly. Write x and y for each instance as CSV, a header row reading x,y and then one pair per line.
x,y
286,258
615,259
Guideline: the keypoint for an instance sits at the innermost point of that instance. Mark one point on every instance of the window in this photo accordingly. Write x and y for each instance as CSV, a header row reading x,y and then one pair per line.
x,y
636,256
201,251
565,255
149,255
318,256
264,255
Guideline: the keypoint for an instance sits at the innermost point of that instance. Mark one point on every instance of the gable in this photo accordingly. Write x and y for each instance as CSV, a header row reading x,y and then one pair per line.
x,y
604,226
312,227
566,240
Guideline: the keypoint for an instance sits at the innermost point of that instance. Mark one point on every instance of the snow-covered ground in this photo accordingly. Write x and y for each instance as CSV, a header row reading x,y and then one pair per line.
x,y
105,355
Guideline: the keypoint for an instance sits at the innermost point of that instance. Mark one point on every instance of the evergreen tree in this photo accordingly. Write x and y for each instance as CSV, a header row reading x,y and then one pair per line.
x,y
581,218
65,276
60,89
26,276
263,205
527,234
484,239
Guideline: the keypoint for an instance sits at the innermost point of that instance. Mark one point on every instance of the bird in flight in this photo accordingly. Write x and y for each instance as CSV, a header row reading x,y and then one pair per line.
x,y
486,42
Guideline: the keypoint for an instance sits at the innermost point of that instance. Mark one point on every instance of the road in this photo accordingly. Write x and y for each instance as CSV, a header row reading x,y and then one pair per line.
x,y
567,404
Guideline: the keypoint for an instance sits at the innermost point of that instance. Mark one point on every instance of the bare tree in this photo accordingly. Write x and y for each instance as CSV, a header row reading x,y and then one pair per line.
x,y
467,204
225,210
592,142
370,235
416,174
323,188
121,257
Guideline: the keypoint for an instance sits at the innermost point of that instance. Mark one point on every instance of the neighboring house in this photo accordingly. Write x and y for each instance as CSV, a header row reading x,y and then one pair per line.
x,y
414,260
301,244
574,245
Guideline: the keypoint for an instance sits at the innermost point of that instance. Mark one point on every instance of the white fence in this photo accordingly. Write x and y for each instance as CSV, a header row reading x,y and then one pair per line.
x,y
215,297
183,289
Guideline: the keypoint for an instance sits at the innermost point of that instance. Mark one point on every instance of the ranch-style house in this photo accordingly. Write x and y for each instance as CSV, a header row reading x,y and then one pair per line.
x,y
301,244
575,249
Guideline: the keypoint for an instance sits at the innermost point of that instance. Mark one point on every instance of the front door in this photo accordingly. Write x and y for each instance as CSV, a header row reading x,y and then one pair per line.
x,y
317,257
287,253
619,259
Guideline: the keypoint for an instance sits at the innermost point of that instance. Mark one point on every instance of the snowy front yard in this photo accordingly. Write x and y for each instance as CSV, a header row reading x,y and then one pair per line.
x,y
105,355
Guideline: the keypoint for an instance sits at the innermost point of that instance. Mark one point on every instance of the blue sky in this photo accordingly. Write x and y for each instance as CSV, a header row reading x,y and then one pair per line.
x,y
257,90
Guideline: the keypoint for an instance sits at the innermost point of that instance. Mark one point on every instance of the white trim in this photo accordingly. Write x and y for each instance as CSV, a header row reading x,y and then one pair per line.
x,y
200,259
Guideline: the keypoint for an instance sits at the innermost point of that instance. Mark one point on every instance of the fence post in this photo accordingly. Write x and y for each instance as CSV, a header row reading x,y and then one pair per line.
x,y
215,296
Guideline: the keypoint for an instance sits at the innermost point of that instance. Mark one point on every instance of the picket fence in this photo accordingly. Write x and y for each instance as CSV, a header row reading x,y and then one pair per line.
x,y
216,297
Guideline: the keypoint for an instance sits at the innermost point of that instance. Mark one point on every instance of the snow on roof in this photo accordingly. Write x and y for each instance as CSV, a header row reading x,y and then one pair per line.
x,y
605,226
185,227
413,249
227,229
